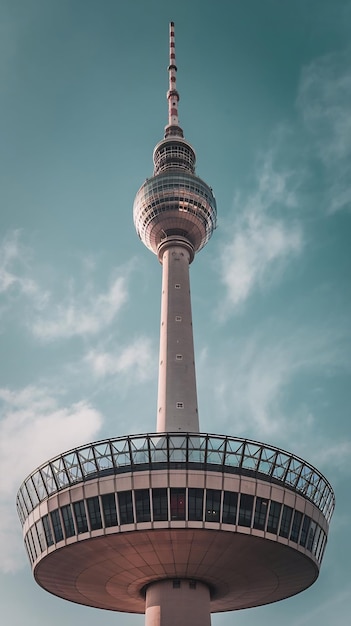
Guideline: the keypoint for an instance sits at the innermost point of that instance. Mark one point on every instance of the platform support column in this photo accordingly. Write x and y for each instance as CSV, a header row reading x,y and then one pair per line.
x,y
177,602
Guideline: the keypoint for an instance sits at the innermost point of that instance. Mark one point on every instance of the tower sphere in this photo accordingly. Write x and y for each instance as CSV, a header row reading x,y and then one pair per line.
x,y
174,202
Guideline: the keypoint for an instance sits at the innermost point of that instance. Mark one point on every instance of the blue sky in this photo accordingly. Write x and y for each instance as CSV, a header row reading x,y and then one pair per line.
x,y
265,91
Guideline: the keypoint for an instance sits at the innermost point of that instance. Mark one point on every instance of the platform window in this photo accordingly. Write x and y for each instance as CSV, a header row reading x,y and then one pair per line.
x,y
47,531
261,510
305,527
125,507
230,505
177,503
40,533
109,509
68,522
245,510
213,505
80,515
159,505
142,505
317,536
320,549
94,513
311,534
56,525
273,517
195,504
285,521
34,535
296,525
28,549
31,546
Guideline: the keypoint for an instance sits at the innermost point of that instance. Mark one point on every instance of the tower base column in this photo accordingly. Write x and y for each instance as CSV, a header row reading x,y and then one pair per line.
x,y
177,602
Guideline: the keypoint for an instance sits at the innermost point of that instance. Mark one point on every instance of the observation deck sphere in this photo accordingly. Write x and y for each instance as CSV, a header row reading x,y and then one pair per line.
x,y
174,203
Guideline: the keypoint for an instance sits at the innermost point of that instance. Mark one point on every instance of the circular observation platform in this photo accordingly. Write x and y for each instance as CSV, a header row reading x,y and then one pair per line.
x,y
104,521
174,202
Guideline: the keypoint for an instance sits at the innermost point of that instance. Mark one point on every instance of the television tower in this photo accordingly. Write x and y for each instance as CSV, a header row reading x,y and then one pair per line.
x,y
176,524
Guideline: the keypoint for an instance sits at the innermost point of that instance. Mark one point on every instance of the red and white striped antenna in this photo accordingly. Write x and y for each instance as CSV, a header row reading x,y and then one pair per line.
x,y
172,93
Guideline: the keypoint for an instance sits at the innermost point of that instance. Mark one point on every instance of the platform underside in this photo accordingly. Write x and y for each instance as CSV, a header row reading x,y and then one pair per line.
x,y
110,572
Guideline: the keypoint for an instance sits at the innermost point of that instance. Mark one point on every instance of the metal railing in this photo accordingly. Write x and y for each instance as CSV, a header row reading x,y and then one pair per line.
x,y
174,450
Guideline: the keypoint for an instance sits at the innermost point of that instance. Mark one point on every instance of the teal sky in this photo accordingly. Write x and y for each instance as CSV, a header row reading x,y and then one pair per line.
x,y
265,91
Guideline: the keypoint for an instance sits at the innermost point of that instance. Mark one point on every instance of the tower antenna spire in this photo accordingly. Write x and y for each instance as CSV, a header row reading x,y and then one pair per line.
x,y
173,127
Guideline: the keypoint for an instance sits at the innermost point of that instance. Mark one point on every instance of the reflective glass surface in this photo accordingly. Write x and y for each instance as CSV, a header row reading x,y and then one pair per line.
x,y
151,452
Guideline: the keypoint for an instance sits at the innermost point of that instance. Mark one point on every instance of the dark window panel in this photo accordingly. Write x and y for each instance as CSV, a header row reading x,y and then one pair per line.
x,y
159,504
311,534
94,513
35,540
273,517
142,505
109,509
41,536
285,521
305,526
322,547
68,522
177,503
56,525
31,544
317,536
195,504
29,548
230,505
261,510
213,505
245,510
125,507
80,515
296,525
47,531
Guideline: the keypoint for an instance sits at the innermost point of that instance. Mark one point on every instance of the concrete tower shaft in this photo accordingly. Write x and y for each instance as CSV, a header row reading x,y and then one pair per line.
x,y
177,398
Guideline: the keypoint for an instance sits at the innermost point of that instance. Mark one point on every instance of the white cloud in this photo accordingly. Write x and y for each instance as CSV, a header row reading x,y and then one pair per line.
x,y
14,270
324,101
85,313
252,380
136,359
33,429
261,243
